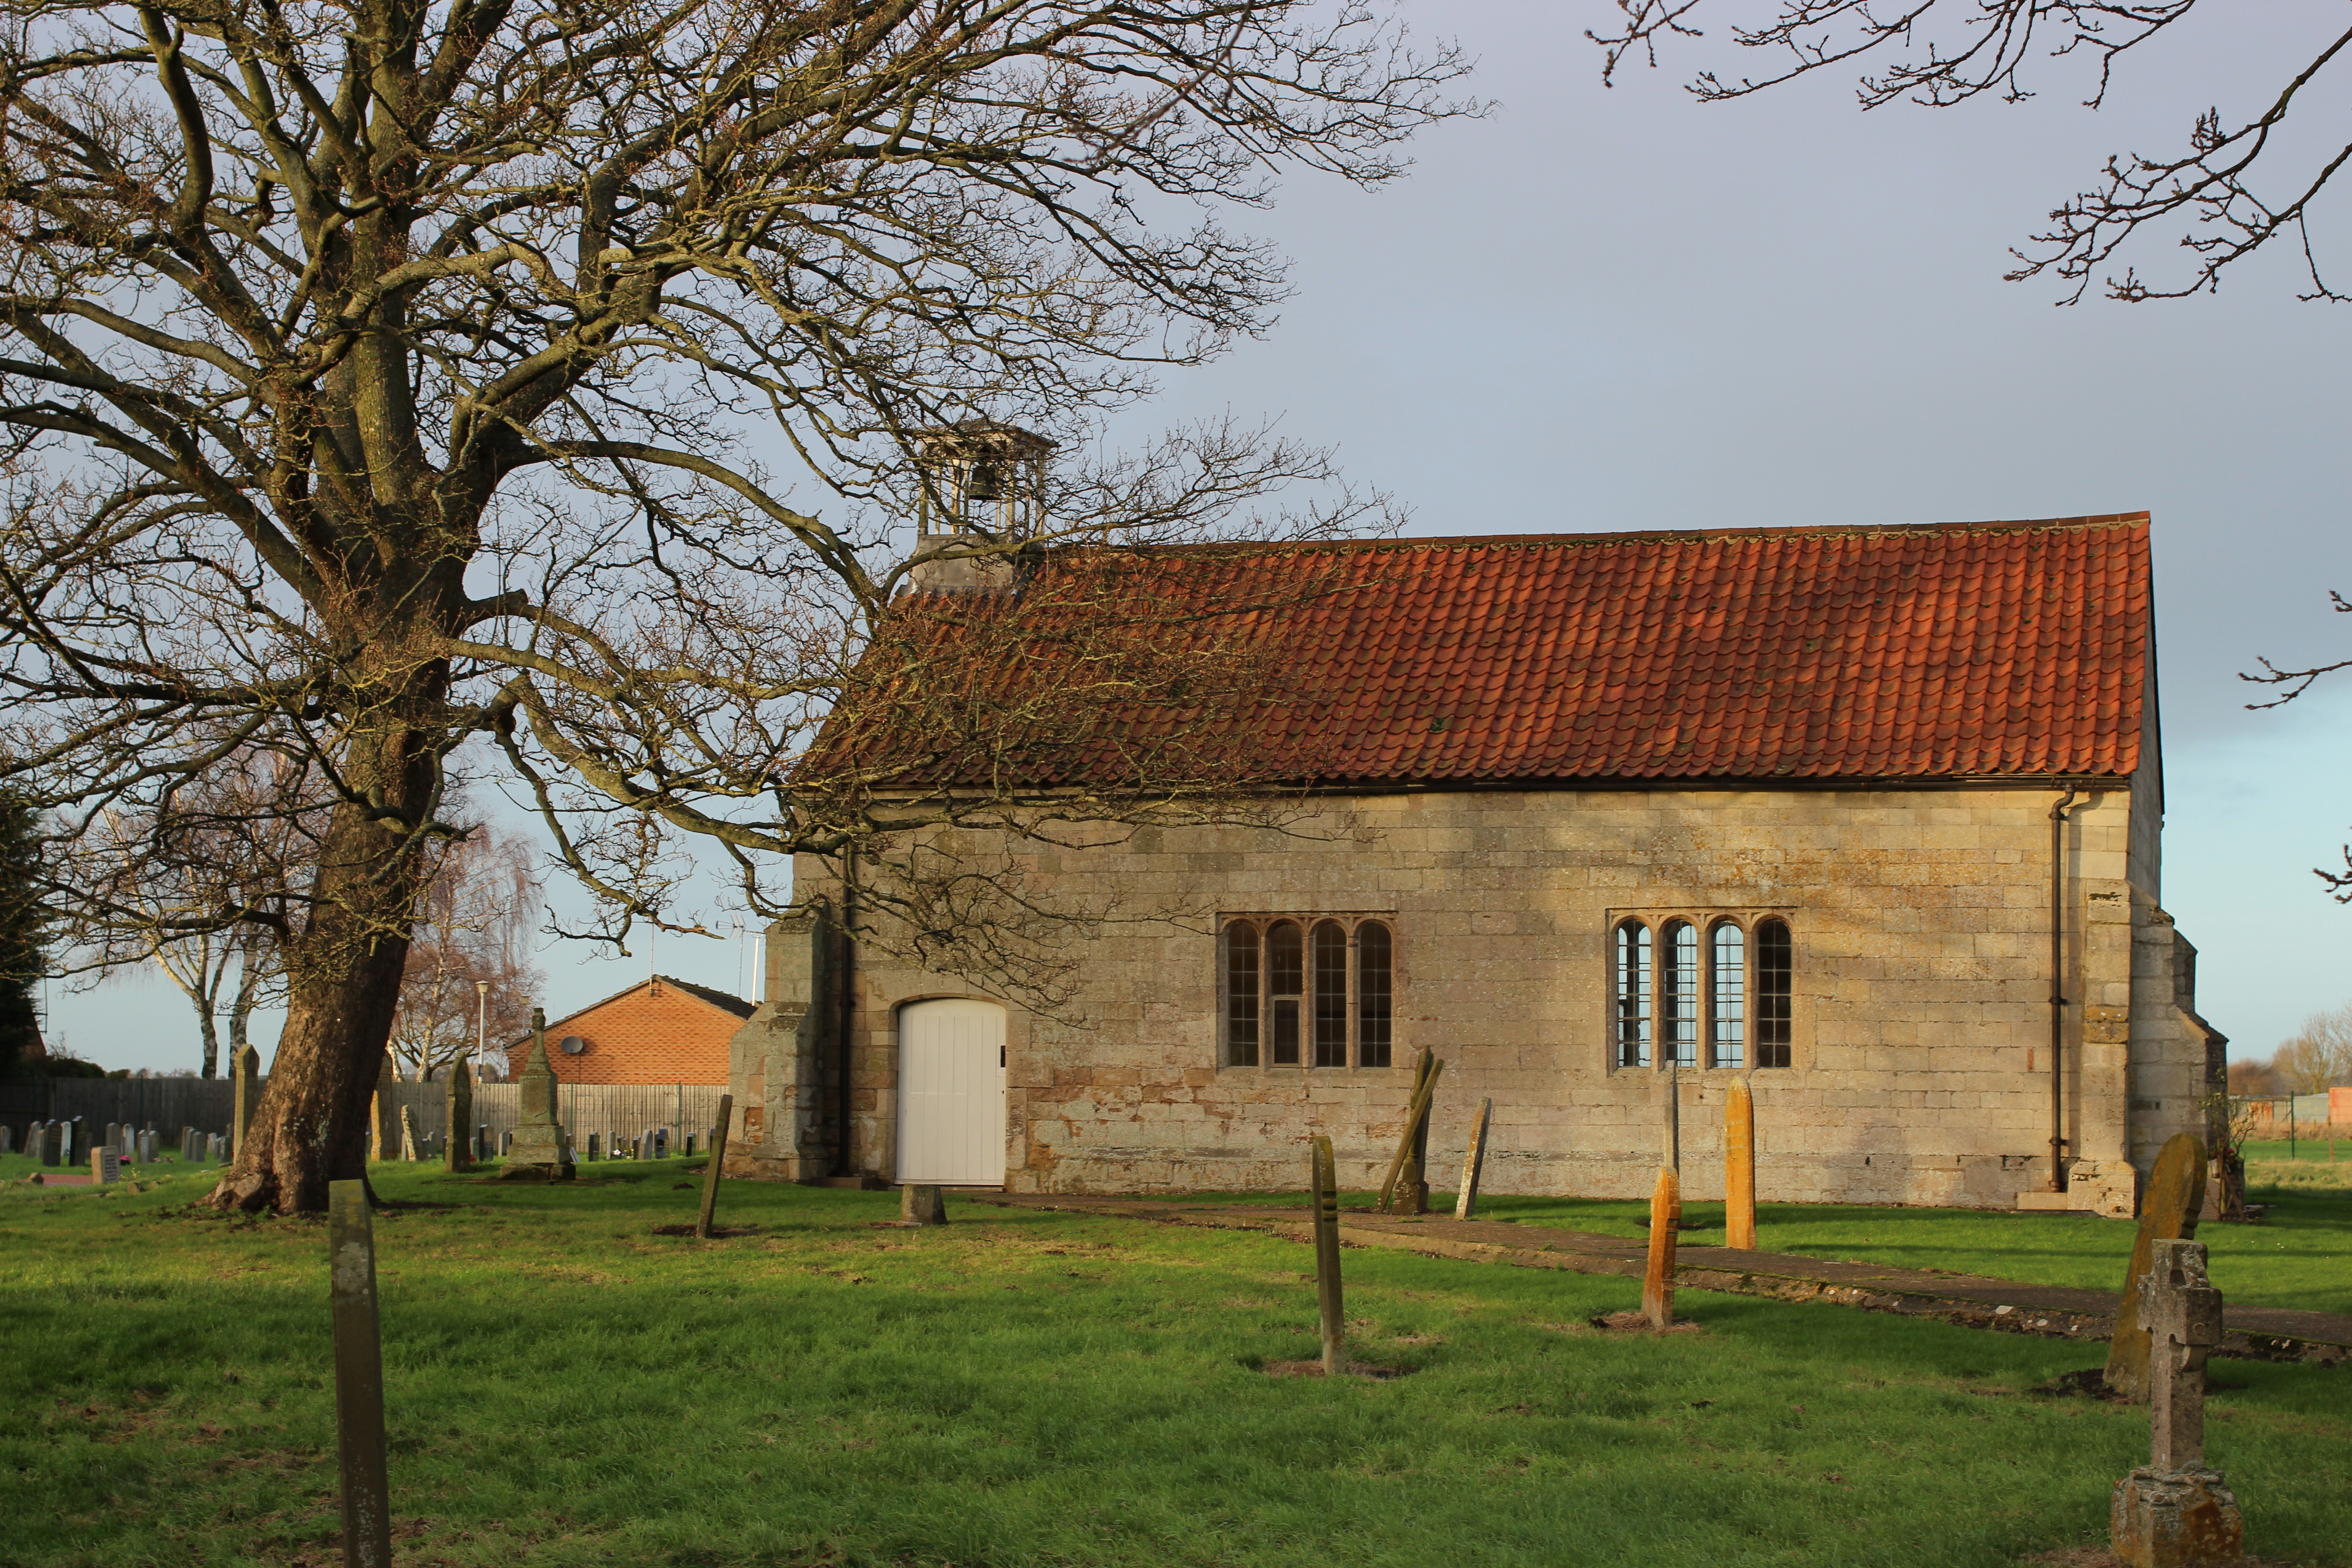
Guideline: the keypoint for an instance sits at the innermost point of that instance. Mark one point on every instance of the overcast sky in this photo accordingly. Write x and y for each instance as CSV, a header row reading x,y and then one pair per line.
x,y
1602,310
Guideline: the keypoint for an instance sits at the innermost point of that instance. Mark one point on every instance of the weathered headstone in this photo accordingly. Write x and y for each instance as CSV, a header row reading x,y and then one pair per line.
x,y
245,1069
2174,1513
920,1203
459,1148
53,1143
2176,1194
105,1165
1474,1160
540,1149
1739,1167
7,1139
1658,1277
112,1139
661,1143
1325,1181
359,1377
148,1145
188,1144
383,1115
718,1169
1406,1188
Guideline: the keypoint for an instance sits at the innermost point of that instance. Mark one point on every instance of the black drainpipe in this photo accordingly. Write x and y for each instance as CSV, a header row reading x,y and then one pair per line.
x,y
2058,990
842,1165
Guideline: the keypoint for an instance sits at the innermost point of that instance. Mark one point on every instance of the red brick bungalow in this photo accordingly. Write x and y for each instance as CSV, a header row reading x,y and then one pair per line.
x,y
660,1030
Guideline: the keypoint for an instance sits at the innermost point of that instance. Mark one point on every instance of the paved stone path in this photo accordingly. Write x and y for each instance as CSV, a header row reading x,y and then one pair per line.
x,y
2260,1333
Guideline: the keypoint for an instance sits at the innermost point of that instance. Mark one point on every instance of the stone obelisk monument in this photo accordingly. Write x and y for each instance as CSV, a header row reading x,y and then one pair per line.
x,y
540,1150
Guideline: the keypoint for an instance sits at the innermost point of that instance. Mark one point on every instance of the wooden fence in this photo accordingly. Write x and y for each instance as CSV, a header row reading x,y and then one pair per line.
x,y
208,1105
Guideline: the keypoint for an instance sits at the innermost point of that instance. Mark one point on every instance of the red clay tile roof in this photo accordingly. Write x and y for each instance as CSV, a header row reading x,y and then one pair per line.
x,y
1934,651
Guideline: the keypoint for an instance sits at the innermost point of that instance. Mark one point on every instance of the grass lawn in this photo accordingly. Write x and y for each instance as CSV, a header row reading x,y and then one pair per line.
x,y
2300,1257
1023,1388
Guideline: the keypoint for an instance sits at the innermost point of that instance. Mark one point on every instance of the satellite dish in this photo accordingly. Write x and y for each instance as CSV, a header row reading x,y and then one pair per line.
x,y
572,1044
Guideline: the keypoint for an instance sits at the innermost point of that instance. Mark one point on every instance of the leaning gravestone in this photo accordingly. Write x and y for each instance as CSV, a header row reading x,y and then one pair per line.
x,y
2176,1194
245,1068
539,1150
457,1146
2174,1513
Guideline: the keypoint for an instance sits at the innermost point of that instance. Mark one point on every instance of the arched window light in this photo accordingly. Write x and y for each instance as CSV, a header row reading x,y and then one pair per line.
x,y
1633,994
1241,995
1373,988
1727,1042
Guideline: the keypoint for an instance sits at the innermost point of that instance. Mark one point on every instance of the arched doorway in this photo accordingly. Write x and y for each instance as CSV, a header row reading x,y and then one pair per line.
x,y
952,1116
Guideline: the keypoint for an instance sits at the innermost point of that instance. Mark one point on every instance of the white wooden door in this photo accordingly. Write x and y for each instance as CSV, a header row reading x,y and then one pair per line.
x,y
951,1121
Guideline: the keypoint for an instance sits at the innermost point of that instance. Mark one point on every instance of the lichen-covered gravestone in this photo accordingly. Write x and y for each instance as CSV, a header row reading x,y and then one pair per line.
x,y
1658,1277
539,1149
245,1068
2176,1194
458,1153
2173,1512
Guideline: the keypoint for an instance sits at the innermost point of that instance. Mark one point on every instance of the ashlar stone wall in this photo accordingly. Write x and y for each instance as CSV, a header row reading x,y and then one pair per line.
x,y
1920,1053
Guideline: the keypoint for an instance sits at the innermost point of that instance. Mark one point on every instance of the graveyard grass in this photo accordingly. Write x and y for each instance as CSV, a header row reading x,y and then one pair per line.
x,y
1025,1388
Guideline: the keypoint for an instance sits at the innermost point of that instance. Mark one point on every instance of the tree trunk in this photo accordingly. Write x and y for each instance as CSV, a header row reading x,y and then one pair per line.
x,y
212,1040
344,974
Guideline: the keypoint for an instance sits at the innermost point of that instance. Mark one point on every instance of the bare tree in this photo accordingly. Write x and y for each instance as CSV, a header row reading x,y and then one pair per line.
x,y
389,375
2207,195
2319,1054
194,883
474,927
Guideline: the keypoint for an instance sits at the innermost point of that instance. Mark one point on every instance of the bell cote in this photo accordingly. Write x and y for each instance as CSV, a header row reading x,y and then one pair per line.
x,y
984,484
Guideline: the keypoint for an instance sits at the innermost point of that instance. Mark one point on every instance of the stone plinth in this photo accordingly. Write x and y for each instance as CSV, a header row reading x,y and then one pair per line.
x,y
2175,1519
537,1149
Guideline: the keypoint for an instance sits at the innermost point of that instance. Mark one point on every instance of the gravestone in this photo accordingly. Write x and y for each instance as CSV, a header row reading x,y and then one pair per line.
x,y
483,1141
105,1165
76,1142
921,1205
506,1143
596,1146
1658,1275
459,1147
187,1143
53,1143
1474,1162
147,1143
7,1139
538,1149
661,1143
383,1115
1740,1167
2176,1194
2173,1511
113,1139
244,1069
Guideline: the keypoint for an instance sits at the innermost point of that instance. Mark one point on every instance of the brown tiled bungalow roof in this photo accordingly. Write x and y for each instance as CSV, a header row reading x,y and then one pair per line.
x,y
1933,651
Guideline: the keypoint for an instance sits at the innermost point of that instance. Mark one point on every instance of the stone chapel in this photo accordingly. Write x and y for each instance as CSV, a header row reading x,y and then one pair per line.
x,y
1870,816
